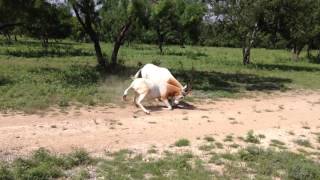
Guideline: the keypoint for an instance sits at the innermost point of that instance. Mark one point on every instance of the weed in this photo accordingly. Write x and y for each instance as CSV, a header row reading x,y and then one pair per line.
x,y
251,138
234,145
206,147
152,151
219,145
209,138
228,138
303,142
277,142
182,142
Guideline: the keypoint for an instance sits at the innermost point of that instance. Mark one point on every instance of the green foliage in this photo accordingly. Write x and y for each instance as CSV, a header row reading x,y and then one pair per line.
x,y
115,14
182,142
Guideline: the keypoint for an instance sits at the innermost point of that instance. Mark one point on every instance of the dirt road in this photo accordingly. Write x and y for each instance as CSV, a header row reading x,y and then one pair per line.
x,y
103,128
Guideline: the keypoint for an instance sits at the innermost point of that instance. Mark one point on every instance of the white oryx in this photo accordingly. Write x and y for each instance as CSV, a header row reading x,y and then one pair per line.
x,y
156,83
161,75
147,89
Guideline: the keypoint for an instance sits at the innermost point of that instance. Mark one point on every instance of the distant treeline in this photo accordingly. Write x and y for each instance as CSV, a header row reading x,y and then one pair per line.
x,y
292,24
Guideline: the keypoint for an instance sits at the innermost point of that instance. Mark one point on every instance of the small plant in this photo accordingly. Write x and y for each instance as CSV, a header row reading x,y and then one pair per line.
x,y
234,145
182,142
228,138
152,151
82,175
251,138
206,147
303,142
277,142
209,139
261,136
219,145
291,133
216,159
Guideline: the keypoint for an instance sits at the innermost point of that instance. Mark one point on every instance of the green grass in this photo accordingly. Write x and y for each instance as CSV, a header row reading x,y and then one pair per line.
x,y
182,142
32,78
248,163
44,165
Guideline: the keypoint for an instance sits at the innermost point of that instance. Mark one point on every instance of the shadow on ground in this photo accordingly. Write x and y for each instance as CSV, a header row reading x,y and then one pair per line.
x,y
232,82
282,67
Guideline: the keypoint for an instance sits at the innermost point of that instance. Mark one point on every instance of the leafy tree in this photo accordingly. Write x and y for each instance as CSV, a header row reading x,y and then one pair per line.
x,y
164,19
294,20
46,20
244,19
119,17
190,14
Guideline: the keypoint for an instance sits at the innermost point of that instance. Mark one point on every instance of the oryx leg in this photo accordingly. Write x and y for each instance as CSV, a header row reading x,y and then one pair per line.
x,y
139,100
135,99
166,102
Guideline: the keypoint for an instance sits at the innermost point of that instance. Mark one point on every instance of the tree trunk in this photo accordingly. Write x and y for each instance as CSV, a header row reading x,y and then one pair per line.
x,y
246,50
246,55
160,41
318,57
15,38
181,37
119,41
296,52
86,25
99,55
308,51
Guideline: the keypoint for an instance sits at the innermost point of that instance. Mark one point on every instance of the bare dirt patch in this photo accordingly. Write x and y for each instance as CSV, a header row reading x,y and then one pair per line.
x,y
283,117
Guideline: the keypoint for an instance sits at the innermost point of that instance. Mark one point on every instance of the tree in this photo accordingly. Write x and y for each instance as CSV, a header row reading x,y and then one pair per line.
x,y
293,19
46,20
245,18
119,17
190,15
13,13
163,18
87,13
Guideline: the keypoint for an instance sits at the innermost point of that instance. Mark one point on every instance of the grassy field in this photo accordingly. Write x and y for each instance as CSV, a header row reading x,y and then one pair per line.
x,y
251,162
32,78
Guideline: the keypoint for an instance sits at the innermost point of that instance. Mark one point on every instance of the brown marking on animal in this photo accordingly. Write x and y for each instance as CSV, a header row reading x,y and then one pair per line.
x,y
172,91
175,83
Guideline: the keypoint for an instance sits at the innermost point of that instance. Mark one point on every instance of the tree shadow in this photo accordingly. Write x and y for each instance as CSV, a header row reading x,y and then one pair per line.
x,y
74,75
50,52
189,54
231,82
4,81
217,81
282,67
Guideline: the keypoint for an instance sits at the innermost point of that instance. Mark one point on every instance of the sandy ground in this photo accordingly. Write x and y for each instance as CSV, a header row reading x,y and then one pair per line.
x,y
101,129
